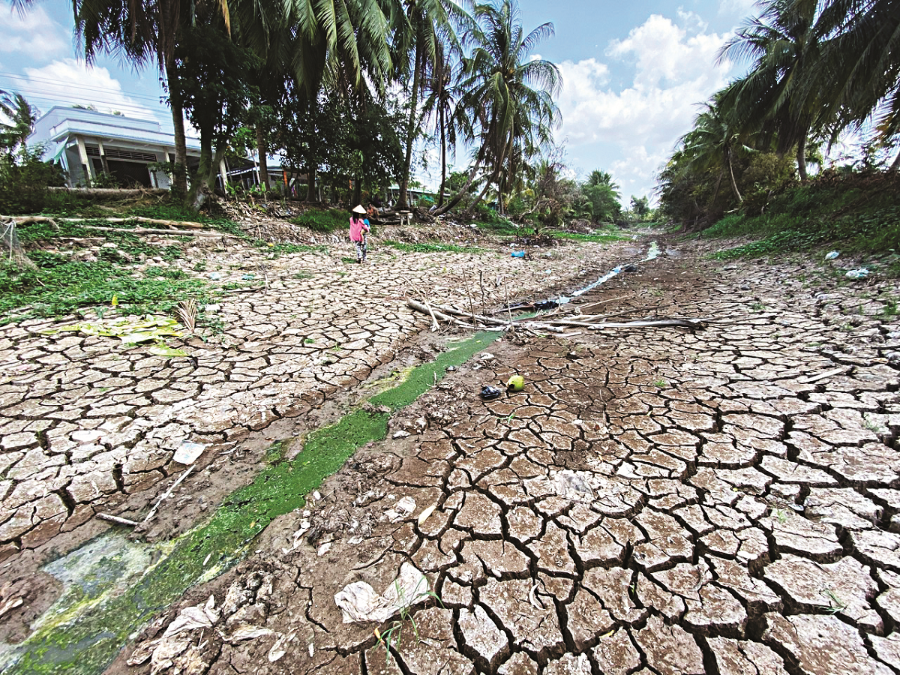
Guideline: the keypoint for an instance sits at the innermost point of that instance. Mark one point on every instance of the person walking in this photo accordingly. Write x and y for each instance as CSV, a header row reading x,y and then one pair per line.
x,y
359,228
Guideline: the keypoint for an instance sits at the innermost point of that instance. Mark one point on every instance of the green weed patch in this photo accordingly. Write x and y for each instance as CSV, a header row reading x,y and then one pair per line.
x,y
858,212
323,220
600,238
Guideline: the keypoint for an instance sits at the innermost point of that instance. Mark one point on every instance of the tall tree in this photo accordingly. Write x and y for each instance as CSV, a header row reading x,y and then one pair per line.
x,y
713,142
212,74
427,33
21,116
442,108
858,75
508,92
772,97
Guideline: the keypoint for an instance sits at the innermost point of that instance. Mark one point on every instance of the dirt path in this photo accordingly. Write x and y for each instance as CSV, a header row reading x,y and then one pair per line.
x,y
656,501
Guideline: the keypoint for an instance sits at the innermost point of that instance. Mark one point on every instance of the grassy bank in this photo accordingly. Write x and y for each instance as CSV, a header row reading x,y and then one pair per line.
x,y
855,213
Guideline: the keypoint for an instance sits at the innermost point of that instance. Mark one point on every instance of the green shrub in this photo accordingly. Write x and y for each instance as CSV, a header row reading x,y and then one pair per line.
x,y
25,179
858,211
319,220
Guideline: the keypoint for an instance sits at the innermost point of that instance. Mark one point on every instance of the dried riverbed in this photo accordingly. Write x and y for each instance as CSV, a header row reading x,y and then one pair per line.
x,y
656,500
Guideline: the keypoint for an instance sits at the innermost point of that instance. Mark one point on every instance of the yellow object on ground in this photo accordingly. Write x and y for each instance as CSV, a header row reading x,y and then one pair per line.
x,y
516,383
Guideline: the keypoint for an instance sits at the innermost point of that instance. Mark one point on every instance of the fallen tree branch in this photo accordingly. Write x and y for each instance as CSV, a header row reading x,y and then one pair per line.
x,y
168,492
147,230
141,219
118,520
111,192
26,220
426,309
468,315
643,323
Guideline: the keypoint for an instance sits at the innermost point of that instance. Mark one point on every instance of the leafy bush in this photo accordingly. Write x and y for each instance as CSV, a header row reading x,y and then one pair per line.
x,y
319,220
24,179
766,175
860,211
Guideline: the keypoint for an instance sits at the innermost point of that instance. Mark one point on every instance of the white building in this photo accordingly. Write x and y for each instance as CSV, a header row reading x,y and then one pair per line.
x,y
89,143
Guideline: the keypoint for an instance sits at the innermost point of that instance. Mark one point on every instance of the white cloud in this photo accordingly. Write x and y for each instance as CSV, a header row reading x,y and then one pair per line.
x,y
71,82
740,8
33,33
674,69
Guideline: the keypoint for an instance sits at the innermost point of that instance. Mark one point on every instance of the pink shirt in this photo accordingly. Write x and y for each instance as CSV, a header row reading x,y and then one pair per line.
x,y
357,225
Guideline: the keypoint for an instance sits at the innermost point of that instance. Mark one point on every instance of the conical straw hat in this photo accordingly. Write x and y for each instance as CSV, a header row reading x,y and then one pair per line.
x,y
358,209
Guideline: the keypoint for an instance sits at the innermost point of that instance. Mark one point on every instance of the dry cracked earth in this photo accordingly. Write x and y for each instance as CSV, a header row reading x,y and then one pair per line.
x,y
656,500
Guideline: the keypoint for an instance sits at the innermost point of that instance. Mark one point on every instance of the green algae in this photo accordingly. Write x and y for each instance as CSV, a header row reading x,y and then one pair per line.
x,y
86,636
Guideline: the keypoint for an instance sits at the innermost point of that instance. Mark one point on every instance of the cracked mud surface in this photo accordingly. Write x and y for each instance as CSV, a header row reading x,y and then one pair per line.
x,y
655,501
86,427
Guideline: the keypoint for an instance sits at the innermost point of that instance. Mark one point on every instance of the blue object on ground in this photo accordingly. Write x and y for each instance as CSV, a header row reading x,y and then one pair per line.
x,y
518,254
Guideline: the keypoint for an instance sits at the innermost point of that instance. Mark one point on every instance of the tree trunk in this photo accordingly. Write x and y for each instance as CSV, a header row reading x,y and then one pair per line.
x,y
462,192
410,128
734,186
311,183
507,151
444,158
490,181
801,157
196,196
179,175
896,163
357,191
262,148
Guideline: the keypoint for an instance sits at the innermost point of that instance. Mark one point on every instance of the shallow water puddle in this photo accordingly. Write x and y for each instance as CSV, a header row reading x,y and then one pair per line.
x,y
652,253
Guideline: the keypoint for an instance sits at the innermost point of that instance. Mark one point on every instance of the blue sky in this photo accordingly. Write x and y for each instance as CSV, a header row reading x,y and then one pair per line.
x,y
633,73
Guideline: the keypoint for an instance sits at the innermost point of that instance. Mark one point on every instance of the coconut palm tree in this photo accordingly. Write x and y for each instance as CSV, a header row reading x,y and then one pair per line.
x,y
21,116
508,93
773,96
441,110
317,39
426,33
713,142
858,77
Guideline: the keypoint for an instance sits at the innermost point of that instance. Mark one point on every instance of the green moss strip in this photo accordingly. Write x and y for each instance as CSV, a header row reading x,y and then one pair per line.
x,y
86,642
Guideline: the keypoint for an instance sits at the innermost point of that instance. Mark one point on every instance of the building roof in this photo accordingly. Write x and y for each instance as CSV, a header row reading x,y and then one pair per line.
x,y
60,123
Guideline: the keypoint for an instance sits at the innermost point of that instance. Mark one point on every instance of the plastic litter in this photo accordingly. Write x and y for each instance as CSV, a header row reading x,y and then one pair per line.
x,y
214,276
861,273
358,601
488,393
518,254
188,453
402,510
248,277
570,485
515,383
832,255
191,618
426,513
630,268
